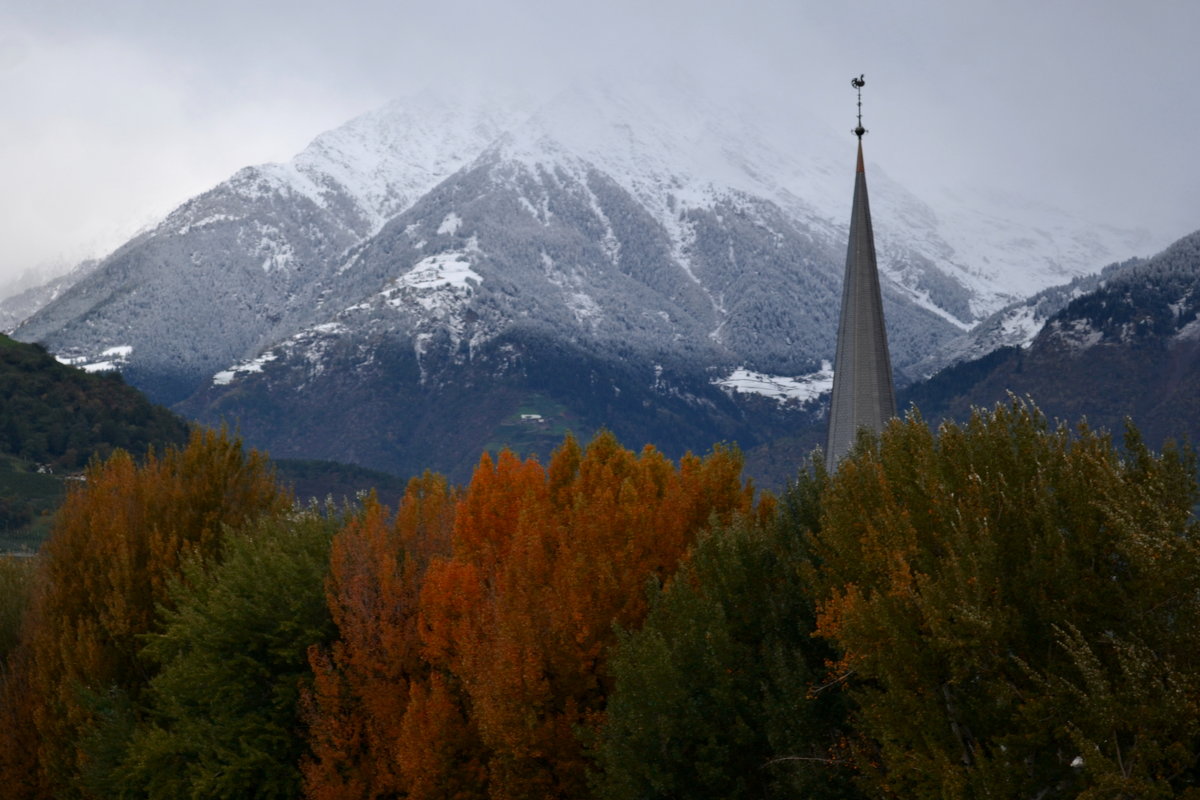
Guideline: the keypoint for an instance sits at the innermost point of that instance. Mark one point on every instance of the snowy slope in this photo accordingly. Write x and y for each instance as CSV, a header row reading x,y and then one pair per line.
x,y
240,267
1006,248
386,159
22,305
1121,346
656,219
674,147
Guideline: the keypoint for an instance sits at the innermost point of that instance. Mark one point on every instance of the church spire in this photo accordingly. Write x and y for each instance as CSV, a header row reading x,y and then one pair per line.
x,y
863,396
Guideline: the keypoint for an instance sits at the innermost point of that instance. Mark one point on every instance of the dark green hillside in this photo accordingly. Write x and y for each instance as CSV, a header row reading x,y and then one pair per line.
x,y
28,500
53,420
313,479
60,416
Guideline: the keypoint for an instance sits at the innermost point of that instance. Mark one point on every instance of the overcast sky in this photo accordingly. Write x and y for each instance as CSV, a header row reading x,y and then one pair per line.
x,y
114,111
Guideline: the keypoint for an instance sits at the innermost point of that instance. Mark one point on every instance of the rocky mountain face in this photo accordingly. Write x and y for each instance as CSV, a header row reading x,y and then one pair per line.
x,y
435,278
1015,325
239,267
1128,348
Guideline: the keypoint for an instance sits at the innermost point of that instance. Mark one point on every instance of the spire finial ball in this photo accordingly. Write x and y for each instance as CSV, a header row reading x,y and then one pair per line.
x,y
858,83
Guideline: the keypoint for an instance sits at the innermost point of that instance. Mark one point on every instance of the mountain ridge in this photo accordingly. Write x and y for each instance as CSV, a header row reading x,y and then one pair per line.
x,y
1129,348
654,250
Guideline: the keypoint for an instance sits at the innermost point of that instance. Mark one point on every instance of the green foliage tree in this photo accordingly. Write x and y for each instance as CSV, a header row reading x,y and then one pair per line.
x,y
222,715
716,696
1017,609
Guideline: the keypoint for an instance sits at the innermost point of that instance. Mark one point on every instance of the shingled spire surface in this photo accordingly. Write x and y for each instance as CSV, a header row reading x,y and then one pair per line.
x,y
863,396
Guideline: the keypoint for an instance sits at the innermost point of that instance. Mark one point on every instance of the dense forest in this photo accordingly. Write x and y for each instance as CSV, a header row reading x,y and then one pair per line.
x,y
61,416
54,418
999,608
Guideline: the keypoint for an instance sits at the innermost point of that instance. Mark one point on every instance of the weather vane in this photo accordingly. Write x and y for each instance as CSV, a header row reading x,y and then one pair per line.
x,y
858,83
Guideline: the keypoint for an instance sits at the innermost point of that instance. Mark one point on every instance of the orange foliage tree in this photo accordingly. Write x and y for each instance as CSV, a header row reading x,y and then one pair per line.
x,y
103,576
513,627
360,692
587,537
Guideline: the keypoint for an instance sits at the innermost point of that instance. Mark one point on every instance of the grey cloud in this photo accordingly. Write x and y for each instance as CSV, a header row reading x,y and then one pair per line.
x,y
1083,104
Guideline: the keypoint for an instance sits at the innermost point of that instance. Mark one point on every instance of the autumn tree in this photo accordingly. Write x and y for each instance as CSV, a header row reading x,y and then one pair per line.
x,y
18,765
103,579
519,622
361,693
1017,610
452,598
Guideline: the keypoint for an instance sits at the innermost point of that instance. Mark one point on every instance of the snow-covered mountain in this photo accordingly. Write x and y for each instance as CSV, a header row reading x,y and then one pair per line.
x,y
1016,325
1123,345
622,256
23,304
237,268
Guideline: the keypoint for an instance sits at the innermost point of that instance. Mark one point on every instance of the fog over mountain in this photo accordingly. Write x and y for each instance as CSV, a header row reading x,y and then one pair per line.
x,y
116,114
262,246
683,248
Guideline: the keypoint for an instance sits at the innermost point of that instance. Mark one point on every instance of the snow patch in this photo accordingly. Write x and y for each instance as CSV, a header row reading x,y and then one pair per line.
x,y
451,269
329,328
1189,332
273,247
212,219
310,343
781,389
225,377
1079,335
1020,326
101,366
450,224
108,360
582,305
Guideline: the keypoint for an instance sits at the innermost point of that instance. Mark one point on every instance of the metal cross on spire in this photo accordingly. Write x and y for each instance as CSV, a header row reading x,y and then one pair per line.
x,y
858,83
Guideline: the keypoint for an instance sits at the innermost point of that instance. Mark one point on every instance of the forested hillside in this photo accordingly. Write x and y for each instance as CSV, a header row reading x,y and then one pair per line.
x,y
55,418
998,609
61,416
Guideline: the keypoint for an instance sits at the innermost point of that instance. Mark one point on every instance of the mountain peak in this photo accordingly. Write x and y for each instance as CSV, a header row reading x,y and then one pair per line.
x,y
730,207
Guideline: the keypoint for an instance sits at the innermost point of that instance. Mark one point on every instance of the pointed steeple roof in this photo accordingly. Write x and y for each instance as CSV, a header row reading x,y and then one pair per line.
x,y
862,378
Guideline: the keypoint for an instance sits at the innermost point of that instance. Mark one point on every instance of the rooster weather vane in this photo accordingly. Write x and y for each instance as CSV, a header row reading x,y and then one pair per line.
x,y
858,83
